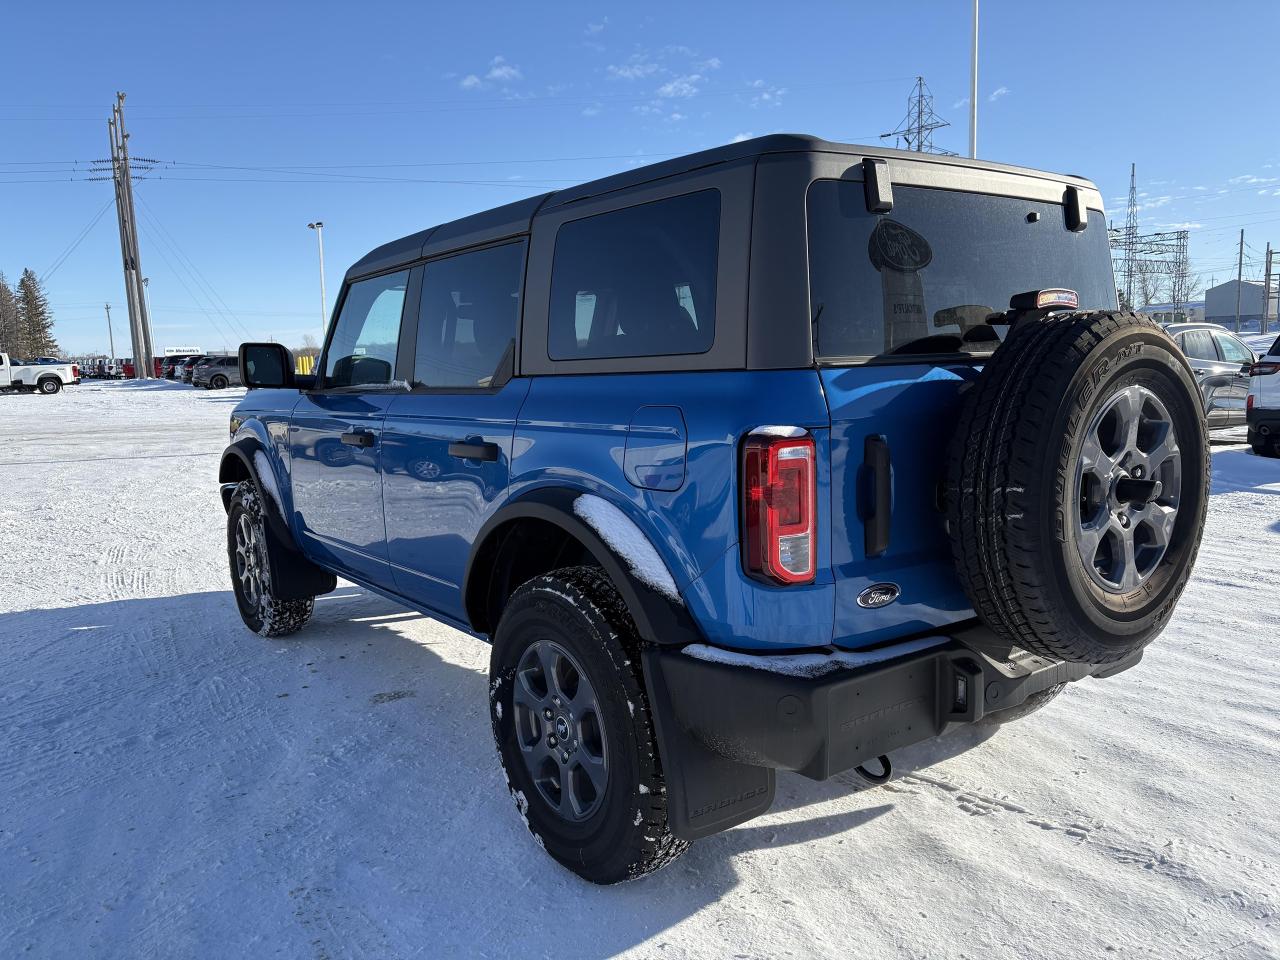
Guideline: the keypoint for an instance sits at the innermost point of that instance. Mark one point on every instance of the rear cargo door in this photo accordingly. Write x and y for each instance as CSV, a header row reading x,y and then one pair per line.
x,y
901,302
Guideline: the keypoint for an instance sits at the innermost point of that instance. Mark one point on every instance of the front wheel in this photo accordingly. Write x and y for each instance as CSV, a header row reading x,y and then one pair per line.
x,y
248,548
573,729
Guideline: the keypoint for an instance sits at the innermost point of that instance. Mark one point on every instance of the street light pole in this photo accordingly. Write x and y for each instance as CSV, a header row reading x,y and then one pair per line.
x,y
973,89
318,227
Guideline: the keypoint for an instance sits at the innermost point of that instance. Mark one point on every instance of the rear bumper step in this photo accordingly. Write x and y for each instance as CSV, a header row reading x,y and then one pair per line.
x,y
724,728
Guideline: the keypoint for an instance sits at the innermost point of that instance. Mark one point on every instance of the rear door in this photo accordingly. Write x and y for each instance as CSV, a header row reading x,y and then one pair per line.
x,y
1236,354
1215,377
446,446
900,303
335,436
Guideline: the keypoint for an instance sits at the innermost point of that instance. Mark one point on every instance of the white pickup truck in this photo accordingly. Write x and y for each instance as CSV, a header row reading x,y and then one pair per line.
x,y
42,377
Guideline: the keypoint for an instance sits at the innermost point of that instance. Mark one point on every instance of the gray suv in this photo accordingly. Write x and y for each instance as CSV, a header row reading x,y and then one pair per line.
x,y
215,373
1220,361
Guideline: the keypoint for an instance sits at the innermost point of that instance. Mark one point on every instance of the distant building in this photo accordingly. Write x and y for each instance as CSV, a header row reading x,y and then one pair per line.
x,y
1192,312
1220,303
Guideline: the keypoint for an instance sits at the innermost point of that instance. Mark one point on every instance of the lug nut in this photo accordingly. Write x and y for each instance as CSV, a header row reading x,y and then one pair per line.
x,y
547,713
551,740
564,758
1137,473
1124,521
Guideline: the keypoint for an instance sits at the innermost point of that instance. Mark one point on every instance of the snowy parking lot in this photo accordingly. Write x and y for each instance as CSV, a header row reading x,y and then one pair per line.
x,y
172,785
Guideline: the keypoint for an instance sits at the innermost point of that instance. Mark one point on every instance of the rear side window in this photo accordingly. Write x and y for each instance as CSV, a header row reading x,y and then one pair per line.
x,y
637,282
925,277
363,348
1233,351
1198,345
470,307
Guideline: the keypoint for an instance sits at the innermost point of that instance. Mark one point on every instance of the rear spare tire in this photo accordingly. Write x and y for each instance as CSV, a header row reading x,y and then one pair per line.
x,y
1077,485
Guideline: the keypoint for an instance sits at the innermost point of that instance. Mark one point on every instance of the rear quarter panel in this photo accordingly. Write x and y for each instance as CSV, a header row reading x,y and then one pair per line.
x,y
573,433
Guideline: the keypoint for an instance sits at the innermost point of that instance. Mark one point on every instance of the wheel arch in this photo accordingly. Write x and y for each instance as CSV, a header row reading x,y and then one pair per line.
x,y
294,575
539,532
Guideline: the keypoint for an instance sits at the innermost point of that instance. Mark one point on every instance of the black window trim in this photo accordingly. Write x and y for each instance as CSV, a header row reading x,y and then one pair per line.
x,y
735,182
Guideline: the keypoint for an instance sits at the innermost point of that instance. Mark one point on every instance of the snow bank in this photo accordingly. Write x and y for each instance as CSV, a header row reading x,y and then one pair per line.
x,y
628,541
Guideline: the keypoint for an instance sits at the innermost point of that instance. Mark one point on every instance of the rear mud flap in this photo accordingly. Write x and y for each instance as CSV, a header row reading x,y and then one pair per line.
x,y
706,793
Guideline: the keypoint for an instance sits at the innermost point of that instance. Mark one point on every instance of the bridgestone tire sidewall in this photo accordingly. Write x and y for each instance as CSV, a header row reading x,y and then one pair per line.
x,y
1134,355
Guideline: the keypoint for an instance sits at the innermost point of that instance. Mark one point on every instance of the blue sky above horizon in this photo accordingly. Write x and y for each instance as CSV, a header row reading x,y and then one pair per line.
x,y
382,119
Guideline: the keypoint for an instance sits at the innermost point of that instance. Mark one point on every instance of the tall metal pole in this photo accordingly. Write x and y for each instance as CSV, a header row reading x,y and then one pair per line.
x,y
126,254
1266,293
1239,279
973,89
144,318
318,227
111,334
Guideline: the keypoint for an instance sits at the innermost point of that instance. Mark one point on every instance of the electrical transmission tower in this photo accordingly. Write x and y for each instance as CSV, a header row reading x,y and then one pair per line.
x,y
1145,263
915,132
119,170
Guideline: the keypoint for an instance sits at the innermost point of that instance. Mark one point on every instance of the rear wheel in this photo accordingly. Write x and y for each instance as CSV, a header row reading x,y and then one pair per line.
x,y
49,385
571,721
261,609
218,383
1077,485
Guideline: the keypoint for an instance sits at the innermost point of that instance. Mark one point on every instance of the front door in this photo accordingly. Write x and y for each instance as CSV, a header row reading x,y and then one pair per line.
x,y
1214,376
1237,354
446,449
335,436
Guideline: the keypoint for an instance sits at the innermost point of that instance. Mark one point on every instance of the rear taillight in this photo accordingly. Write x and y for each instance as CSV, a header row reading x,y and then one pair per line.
x,y
779,497
75,371
1248,403
1264,368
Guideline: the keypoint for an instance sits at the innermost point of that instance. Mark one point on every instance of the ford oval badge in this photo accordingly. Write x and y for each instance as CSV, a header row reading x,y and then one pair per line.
x,y
878,595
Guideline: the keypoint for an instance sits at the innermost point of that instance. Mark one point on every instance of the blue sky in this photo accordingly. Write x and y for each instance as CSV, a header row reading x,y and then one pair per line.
x,y
381,119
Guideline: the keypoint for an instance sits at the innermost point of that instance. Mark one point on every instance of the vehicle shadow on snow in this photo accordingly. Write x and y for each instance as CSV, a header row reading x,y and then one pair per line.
x,y
352,762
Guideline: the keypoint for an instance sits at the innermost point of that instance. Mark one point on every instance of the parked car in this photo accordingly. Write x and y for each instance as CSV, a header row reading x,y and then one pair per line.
x,y
729,460
1262,405
171,364
186,370
31,377
1221,362
216,373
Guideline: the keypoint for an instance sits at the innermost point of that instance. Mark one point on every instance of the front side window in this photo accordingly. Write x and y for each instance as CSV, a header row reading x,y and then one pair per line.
x,y
1198,345
637,282
1233,351
925,277
468,317
362,351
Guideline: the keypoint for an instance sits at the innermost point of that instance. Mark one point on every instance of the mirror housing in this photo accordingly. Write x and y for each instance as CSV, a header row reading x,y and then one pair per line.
x,y
266,366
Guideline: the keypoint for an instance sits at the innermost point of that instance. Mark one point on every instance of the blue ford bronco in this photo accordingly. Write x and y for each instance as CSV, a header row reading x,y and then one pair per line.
x,y
780,456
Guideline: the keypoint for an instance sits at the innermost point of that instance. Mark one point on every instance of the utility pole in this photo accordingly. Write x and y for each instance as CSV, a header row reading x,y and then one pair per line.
x,y
318,227
139,316
111,336
1266,293
973,89
1239,279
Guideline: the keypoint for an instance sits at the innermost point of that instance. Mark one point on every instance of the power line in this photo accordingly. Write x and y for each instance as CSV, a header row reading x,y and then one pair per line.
x,y
71,247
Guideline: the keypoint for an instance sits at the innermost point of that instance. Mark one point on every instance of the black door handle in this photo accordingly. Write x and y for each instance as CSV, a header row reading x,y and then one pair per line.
x,y
877,498
475,451
358,438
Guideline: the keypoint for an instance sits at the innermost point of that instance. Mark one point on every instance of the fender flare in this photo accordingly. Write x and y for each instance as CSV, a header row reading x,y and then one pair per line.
x,y
658,618
293,575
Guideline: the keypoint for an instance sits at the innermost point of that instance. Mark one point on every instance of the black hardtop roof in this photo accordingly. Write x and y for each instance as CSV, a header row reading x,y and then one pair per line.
x,y
515,218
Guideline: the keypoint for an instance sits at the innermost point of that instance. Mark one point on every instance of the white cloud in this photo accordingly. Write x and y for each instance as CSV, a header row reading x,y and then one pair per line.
x,y
739,137
677,116
500,70
712,63
997,93
591,111
596,28
765,94
470,82
962,102
634,69
685,85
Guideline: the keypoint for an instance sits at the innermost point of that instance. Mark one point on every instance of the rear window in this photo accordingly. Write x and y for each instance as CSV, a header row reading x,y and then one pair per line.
x,y
920,278
637,282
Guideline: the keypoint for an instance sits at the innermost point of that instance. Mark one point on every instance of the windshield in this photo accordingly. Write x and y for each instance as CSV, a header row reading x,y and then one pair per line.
x,y
924,277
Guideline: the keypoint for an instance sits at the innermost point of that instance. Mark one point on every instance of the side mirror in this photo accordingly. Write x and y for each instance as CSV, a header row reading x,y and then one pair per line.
x,y
266,366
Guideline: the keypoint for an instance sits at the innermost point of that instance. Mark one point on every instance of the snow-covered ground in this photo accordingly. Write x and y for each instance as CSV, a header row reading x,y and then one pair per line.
x,y
174,786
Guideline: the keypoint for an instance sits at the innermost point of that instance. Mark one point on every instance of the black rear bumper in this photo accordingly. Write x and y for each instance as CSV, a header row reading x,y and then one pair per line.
x,y
1264,424
724,728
